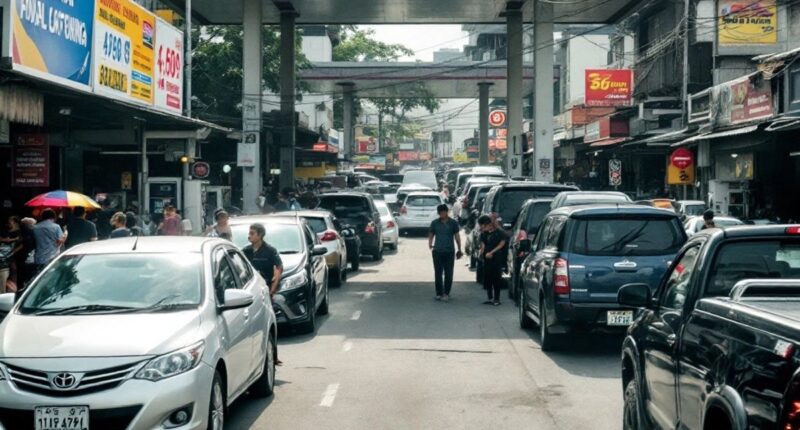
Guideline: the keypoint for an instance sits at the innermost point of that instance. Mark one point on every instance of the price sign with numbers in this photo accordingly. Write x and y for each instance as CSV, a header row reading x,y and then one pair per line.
x,y
169,67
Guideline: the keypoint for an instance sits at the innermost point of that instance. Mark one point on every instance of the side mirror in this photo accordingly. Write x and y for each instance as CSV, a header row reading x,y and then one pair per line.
x,y
236,299
525,245
319,250
634,295
6,302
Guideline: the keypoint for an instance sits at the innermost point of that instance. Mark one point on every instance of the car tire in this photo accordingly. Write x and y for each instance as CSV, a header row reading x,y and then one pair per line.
x,y
336,278
525,322
216,404
309,326
355,264
632,414
548,340
323,308
378,255
265,385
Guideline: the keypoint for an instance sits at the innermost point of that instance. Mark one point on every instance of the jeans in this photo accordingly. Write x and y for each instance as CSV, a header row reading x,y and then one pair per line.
x,y
443,262
493,281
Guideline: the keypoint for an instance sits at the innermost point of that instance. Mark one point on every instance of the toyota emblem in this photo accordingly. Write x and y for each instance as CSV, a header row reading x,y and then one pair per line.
x,y
63,381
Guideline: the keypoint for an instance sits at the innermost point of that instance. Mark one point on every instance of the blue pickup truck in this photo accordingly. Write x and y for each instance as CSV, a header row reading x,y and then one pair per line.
x,y
716,346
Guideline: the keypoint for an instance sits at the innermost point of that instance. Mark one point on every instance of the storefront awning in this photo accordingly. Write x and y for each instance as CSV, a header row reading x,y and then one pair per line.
x,y
609,142
717,135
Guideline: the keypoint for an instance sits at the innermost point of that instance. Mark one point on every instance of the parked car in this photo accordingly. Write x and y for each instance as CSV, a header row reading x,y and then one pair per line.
x,y
137,333
358,210
462,178
659,203
476,192
303,290
322,224
391,232
423,177
419,210
403,191
530,218
468,197
393,178
505,200
715,347
450,177
694,224
582,256
689,208
578,198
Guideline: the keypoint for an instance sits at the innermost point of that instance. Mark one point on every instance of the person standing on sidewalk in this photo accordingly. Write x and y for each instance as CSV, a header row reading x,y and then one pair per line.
x,y
493,242
442,234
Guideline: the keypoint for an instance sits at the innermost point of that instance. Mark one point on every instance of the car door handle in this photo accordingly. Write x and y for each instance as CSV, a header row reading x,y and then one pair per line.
x,y
671,339
246,314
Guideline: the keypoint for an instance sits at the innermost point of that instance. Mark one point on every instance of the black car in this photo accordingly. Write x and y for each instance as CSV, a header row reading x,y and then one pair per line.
x,y
582,256
530,218
303,290
716,346
358,210
506,199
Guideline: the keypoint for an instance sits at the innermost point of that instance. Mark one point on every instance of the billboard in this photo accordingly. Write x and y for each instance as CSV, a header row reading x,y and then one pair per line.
x,y
52,40
31,165
168,68
407,155
741,101
124,40
613,87
744,22
367,146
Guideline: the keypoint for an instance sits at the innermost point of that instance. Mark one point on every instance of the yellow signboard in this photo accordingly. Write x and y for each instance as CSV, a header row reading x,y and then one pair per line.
x,y
678,176
123,46
742,22
460,157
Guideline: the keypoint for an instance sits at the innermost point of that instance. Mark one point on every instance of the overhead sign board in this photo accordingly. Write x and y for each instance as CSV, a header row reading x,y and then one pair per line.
x,y
741,100
744,22
497,118
52,40
612,87
168,68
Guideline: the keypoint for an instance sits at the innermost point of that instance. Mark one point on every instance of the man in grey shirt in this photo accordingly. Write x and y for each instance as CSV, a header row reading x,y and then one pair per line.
x,y
441,235
49,237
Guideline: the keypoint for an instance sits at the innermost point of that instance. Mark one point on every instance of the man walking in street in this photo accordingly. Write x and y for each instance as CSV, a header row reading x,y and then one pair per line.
x,y
493,241
171,226
265,259
79,229
442,234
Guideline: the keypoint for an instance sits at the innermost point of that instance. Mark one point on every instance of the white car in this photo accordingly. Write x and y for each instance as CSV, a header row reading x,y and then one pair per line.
x,y
694,224
390,232
419,210
137,333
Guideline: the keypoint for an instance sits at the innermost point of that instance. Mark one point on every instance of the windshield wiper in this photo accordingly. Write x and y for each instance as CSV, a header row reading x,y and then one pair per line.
x,y
165,307
71,310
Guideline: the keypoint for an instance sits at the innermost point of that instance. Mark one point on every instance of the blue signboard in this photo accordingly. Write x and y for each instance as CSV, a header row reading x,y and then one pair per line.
x,y
52,39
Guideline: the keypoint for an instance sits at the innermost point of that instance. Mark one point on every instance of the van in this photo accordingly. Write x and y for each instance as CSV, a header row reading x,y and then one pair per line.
x,y
424,177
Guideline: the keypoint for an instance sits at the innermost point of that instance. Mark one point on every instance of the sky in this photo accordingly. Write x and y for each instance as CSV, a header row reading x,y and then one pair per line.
x,y
423,39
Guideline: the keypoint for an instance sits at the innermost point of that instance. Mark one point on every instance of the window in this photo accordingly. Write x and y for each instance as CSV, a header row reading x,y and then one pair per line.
x,y
241,266
677,287
226,278
284,237
536,214
554,235
542,238
316,224
765,259
629,236
423,201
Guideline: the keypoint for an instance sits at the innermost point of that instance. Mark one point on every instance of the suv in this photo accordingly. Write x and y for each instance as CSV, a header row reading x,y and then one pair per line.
x,y
589,198
530,218
419,210
583,255
358,210
506,199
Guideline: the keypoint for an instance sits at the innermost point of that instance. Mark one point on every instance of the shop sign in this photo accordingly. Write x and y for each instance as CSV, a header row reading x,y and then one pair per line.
x,y
407,146
407,156
378,161
497,118
361,158
52,40
498,144
123,51
320,147
200,170
614,172
169,68
592,132
126,181
367,146
742,22
681,167
246,149
460,157
425,156
741,100
31,163
612,87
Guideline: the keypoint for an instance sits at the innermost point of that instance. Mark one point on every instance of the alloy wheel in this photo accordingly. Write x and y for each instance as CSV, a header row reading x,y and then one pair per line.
x,y
217,407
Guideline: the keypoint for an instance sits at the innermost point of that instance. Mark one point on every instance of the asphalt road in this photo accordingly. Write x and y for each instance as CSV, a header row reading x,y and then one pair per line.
x,y
390,357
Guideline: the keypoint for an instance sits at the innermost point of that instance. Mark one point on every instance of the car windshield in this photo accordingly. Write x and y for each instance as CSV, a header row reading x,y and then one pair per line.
x,y
510,201
283,237
423,201
735,261
113,283
345,206
692,210
628,236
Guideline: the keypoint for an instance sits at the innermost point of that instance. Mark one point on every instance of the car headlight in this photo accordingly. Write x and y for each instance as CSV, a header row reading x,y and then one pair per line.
x,y
295,281
171,364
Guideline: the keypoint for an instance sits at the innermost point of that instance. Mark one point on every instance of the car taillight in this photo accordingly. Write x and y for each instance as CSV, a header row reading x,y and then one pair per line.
x,y
403,210
561,277
791,413
328,236
390,224
370,228
795,229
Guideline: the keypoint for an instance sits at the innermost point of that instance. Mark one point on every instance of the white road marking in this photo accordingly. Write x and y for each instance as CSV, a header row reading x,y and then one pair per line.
x,y
329,396
347,346
366,295
356,315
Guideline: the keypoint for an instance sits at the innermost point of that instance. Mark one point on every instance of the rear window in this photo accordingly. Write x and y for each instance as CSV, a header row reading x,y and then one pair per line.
x,y
766,259
317,224
423,201
691,210
627,236
577,200
509,201
345,206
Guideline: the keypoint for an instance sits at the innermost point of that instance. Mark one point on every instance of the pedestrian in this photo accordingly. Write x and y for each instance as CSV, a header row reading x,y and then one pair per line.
x,y
24,254
282,205
10,241
132,224
265,259
708,220
445,193
79,229
442,233
171,225
119,222
103,225
49,238
493,241
221,228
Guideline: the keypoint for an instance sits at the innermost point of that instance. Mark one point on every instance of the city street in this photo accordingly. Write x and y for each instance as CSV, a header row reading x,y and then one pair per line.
x,y
390,357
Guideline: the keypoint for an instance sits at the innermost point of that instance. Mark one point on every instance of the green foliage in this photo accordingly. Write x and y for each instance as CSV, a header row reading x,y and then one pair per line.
x,y
358,45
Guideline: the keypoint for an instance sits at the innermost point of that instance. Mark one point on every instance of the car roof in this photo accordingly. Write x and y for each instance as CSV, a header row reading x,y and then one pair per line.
x,y
313,213
346,193
535,186
423,193
612,209
691,202
146,244
264,219
750,231
716,217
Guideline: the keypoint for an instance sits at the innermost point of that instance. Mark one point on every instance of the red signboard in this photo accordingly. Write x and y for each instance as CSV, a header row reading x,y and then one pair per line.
x,y
31,165
609,87
407,155
367,146
741,100
497,118
201,170
681,158
320,147
501,144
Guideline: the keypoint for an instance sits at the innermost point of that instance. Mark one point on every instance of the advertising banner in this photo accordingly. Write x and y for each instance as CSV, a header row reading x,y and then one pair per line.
x,y
740,101
407,156
367,146
743,22
499,144
52,40
680,170
612,87
31,165
169,68
378,161
123,51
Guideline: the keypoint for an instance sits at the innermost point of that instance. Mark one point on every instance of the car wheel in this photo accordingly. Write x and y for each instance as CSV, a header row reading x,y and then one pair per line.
x,y
216,404
310,325
525,322
355,263
631,415
378,255
265,385
336,276
323,308
548,340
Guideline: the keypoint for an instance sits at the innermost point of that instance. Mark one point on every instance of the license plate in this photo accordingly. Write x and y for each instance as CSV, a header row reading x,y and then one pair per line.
x,y
61,418
619,318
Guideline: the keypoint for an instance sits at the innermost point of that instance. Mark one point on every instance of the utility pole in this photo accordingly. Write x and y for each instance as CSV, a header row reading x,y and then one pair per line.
x,y
187,73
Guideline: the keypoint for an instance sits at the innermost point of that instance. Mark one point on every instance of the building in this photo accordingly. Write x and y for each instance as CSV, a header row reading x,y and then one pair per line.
x,y
446,55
